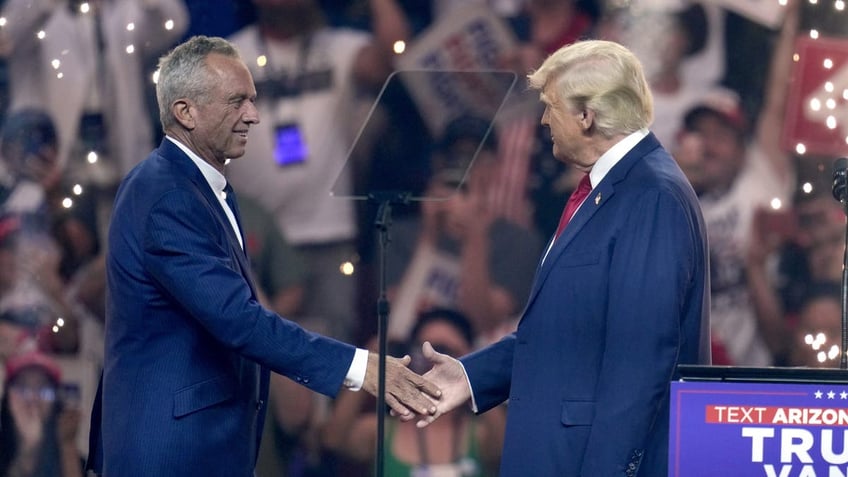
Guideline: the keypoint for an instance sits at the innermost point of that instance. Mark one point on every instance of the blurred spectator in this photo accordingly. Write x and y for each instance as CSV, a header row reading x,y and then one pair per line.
x,y
29,171
28,188
278,267
541,27
308,77
798,249
733,178
280,275
458,254
819,328
37,431
85,69
647,26
46,248
17,329
457,444
685,35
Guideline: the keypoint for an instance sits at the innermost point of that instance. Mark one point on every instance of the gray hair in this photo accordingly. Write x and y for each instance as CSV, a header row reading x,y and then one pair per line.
x,y
601,76
183,73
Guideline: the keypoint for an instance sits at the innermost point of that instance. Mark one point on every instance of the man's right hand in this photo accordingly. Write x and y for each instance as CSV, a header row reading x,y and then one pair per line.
x,y
407,393
448,374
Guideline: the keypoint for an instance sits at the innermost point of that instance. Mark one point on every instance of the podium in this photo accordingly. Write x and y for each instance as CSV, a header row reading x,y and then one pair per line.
x,y
747,422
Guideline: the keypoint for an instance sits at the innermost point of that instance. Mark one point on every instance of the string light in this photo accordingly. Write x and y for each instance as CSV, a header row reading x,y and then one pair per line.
x,y
91,157
261,61
776,203
169,25
77,189
130,49
817,343
130,26
84,7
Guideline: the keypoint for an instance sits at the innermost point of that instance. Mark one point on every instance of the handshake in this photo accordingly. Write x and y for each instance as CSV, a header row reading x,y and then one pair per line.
x,y
441,389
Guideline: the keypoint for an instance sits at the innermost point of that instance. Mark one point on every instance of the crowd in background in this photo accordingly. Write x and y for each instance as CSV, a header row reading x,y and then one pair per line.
x,y
77,113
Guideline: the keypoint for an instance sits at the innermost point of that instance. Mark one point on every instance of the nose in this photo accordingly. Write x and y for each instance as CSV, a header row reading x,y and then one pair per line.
x,y
251,113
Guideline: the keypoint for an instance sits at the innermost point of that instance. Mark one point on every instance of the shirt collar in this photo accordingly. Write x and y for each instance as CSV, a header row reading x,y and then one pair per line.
x,y
215,179
609,159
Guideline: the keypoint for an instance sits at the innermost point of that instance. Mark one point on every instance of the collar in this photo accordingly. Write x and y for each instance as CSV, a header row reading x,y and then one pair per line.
x,y
609,159
215,179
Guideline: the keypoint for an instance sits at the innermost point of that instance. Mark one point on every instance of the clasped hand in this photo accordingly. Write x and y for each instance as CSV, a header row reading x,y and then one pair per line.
x,y
444,387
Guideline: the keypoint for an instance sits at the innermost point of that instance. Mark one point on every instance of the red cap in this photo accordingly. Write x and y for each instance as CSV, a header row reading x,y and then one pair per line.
x,y
16,363
722,102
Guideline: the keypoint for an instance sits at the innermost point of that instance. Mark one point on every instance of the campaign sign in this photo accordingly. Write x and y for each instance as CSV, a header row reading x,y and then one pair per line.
x,y
758,429
470,41
817,104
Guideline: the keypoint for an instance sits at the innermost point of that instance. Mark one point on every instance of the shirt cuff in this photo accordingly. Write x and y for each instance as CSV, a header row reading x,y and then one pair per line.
x,y
468,381
356,373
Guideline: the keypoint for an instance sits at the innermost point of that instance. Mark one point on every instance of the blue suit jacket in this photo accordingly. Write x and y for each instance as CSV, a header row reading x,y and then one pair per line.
x,y
188,348
620,300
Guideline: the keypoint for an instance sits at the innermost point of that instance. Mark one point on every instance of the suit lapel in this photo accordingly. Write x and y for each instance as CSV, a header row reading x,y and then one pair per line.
x,y
596,199
185,165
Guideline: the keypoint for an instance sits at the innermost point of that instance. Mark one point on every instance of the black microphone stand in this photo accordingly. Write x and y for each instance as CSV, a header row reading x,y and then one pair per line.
x,y
840,190
843,361
383,223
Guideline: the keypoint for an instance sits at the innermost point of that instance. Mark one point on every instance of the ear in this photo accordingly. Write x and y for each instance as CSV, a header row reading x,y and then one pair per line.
x,y
183,111
587,119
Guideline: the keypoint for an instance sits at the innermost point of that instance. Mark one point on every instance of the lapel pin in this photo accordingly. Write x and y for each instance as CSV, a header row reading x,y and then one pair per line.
x,y
598,198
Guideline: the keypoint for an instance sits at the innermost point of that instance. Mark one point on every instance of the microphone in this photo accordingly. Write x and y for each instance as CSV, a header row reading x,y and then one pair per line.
x,y
840,187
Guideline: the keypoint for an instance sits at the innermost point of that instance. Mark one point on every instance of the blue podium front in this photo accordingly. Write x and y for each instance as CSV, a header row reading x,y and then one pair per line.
x,y
775,422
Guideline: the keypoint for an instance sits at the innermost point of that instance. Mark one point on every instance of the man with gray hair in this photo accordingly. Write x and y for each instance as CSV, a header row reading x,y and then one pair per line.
x,y
188,345
620,298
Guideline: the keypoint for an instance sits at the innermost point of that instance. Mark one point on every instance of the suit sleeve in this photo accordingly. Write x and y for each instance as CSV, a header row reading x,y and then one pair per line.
x,y
490,373
651,273
188,256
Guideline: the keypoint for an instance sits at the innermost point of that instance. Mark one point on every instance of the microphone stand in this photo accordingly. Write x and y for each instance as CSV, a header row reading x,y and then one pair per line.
x,y
840,193
843,361
383,223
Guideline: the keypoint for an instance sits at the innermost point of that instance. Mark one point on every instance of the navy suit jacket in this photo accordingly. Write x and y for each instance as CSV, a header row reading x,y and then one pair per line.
x,y
188,347
620,300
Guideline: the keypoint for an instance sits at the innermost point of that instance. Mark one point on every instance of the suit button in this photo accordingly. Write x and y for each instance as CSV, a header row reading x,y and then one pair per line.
x,y
305,380
259,404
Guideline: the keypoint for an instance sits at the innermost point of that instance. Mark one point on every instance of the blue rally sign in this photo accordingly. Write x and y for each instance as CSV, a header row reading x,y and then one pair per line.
x,y
758,429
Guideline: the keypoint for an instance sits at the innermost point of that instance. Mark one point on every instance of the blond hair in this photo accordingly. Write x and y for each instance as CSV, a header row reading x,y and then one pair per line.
x,y
601,76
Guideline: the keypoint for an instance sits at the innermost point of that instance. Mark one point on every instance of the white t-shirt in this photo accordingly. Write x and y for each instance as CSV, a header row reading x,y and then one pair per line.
x,y
729,220
298,195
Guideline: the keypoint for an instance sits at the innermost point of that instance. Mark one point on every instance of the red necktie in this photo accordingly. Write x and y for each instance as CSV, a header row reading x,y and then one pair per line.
x,y
577,198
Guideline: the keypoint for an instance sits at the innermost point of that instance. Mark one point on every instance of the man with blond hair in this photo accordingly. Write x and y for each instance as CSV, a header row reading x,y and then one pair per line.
x,y
620,297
